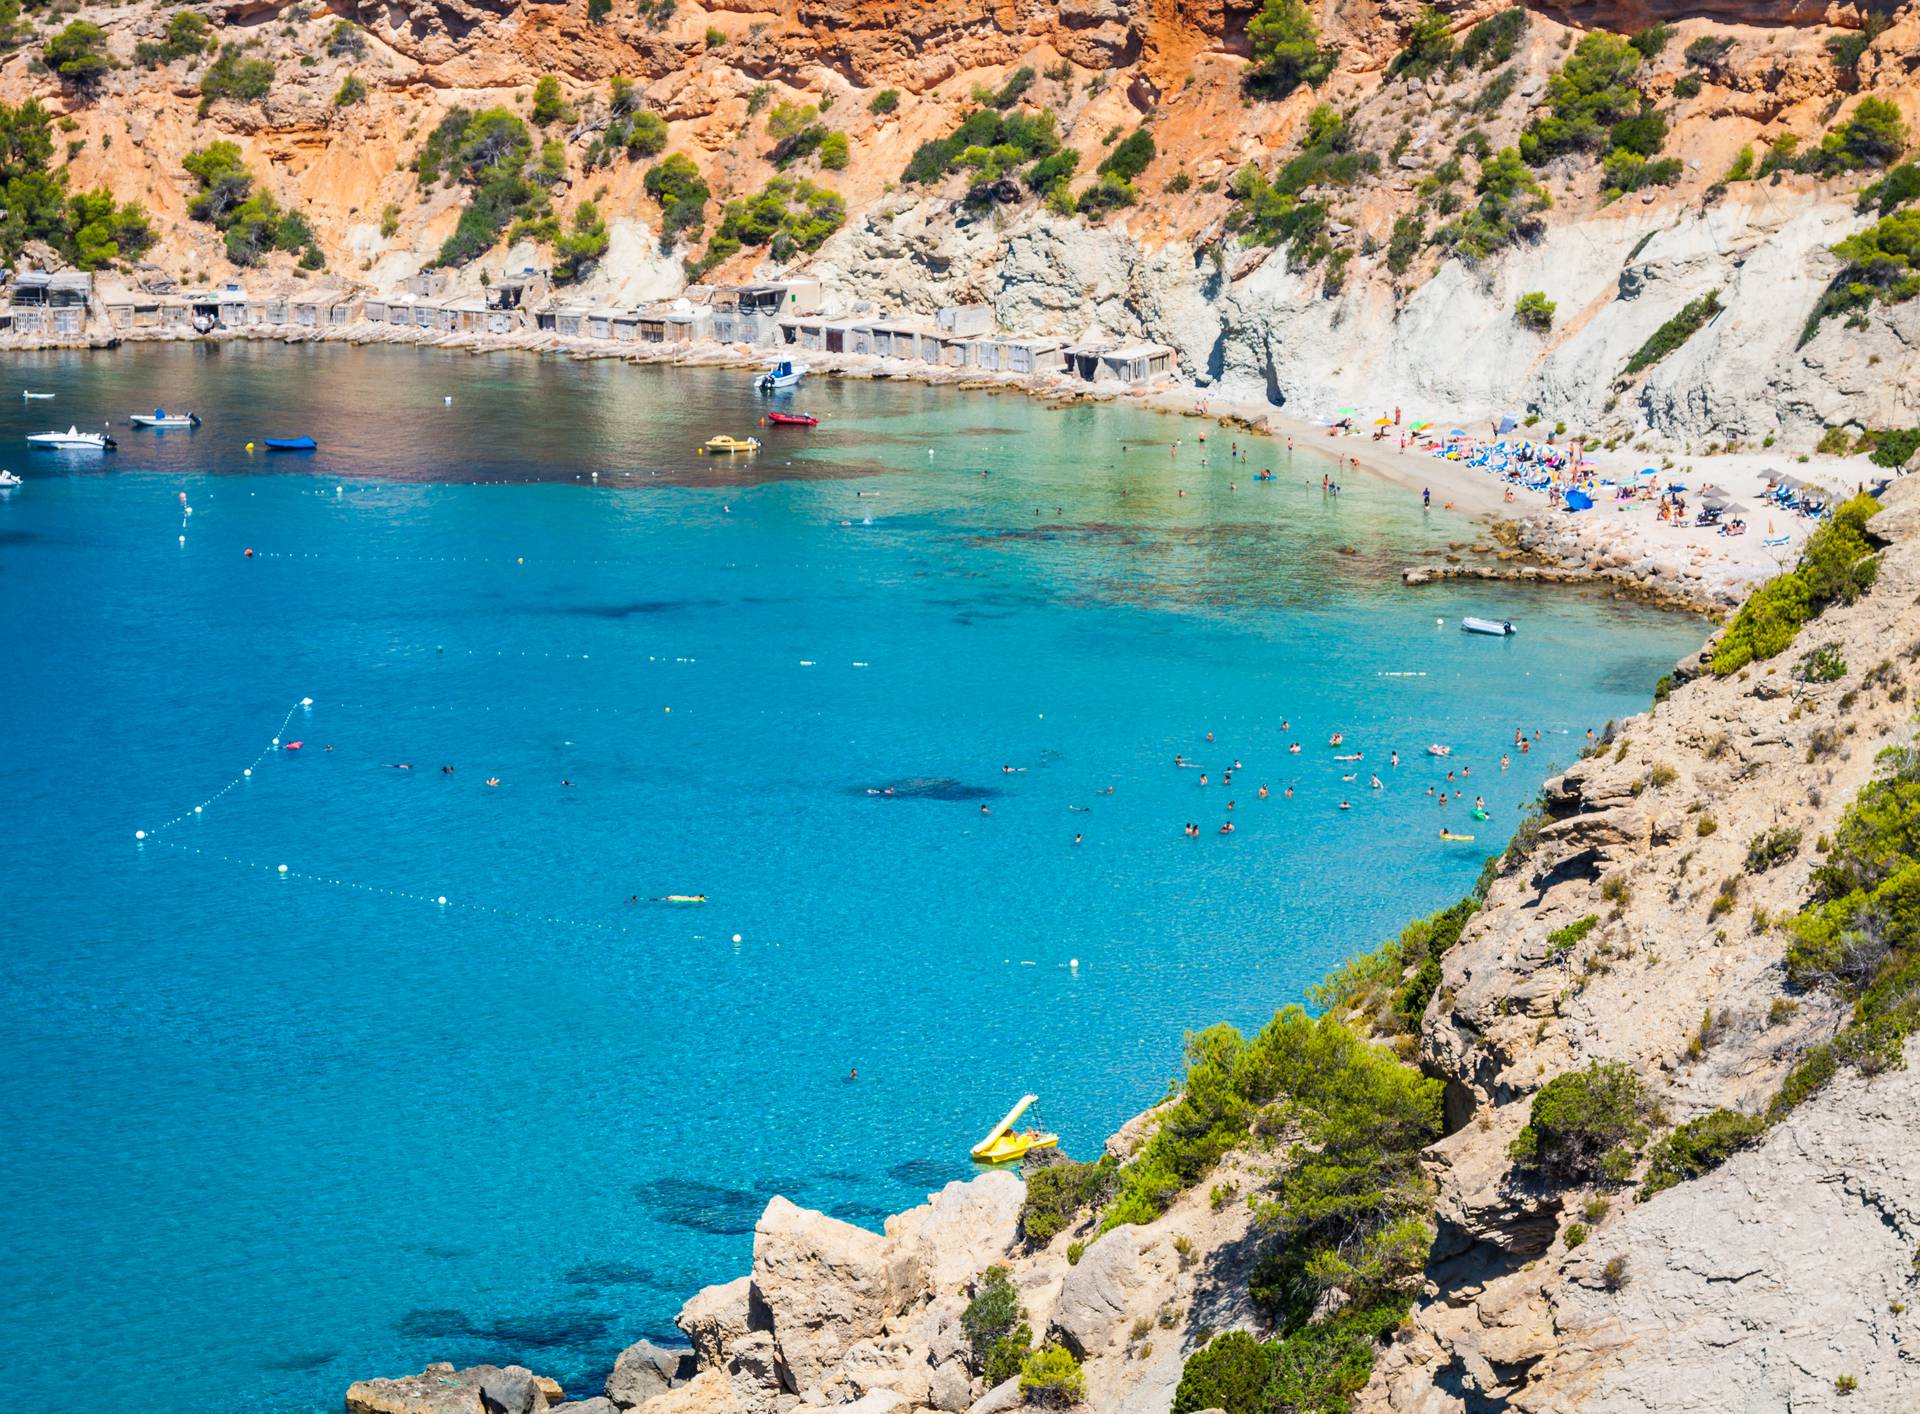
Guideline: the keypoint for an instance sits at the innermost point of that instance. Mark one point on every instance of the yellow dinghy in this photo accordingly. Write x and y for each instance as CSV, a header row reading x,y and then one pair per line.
x,y
1003,1145
727,446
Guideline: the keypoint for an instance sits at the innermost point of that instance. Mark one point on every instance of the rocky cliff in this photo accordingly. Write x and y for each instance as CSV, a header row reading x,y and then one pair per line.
x,y
1349,308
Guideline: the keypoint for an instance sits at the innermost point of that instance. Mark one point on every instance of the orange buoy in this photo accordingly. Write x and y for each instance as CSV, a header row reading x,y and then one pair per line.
x,y
249,554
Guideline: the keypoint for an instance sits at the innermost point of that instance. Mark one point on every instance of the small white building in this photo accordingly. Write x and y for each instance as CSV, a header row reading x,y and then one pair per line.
x,y
967,319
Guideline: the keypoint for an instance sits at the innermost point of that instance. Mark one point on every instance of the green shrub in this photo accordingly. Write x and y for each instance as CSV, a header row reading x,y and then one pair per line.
x,y
884,102
1824,664
1581,1120
1837,566
1894,449
1692,317
1592,91
1130,158
549,105
1057,1194
1882,265
1896,189
1873,135
1429,46
1687,86
987,144
1409,234
1576,1235
993,1313
1075,1251
1377,985
579,249
1698,1147
1771,848
1534,310
716,37
224,182
682,193
389,221
1052,1378
1229,1372
234,75
1009,93
1563,940
1008,1354
78,54
1708,50
787,215
1508,210
1286,49
1494,40
1651,40
352,90
345,41
833,152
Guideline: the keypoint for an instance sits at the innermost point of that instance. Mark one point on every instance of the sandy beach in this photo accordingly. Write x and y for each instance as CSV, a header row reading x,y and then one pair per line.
x,y
1622,540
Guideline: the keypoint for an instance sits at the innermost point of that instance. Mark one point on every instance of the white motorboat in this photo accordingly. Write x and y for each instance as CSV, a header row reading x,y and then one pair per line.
x,y
1498,628
161,418
8,481
784,374
73,437
29,393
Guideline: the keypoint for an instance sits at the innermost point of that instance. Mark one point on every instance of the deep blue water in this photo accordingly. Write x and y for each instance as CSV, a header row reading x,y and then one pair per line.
x,y
265,1135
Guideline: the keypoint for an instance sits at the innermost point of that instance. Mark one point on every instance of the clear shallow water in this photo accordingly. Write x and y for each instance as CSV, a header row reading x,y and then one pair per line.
x,y
267,1135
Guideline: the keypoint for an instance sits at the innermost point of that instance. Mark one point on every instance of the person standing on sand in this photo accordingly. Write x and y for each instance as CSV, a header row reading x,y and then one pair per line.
x,y
1396,414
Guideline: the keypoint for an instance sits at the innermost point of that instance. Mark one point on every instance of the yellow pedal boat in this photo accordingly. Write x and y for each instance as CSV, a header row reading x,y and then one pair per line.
x,y
1003,1144
727,446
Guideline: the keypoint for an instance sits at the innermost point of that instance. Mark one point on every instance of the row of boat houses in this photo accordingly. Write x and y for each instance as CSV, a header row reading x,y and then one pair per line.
x,y
783,315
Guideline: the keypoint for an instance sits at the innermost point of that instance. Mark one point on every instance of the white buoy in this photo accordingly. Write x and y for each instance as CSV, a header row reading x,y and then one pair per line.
x,y
189,510
198,808
336,490
1074,963
306,702
247,772
1439,623
283,868
736,937
448,400
276,741
139,834
183,540
442,900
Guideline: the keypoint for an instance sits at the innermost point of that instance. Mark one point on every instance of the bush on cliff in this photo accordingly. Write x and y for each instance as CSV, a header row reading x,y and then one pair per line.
x,y
1585,1125
1882,267
1286,50
1057,1194
1429,46
234,75
1230,1372
1837,567
89,228
1873,135
1270,212
1592,91
78,55
1698,1147
1387,990
1508,210
488,152
987,144
1691,319
682,193
1052,1379
1494,40
787,215
993,1315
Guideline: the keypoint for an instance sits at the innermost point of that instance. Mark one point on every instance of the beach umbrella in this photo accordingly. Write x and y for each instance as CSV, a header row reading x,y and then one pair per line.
x,y
1648,471
1418,426
1458,432
1346,412
1507,424
1383,422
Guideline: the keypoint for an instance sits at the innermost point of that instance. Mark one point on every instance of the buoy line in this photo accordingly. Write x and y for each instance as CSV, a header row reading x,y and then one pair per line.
x,y
284,871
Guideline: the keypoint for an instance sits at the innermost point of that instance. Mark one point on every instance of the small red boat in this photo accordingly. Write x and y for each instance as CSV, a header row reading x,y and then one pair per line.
x,y
790,419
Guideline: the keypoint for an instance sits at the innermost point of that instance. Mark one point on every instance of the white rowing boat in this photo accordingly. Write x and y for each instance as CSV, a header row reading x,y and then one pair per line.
x,y
1498,628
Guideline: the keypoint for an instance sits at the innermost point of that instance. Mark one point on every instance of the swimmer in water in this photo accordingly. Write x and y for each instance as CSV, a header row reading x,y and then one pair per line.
x,y
446,770
1203,778
1393,758
985,811
1350,775
1289,792
1107,791
1263,792
567,784
1345,806
1076,839
1294,750
1226,778
1479,804
1376,782
1229,805
493,780
399,765
1227,828
1283,724
1503,760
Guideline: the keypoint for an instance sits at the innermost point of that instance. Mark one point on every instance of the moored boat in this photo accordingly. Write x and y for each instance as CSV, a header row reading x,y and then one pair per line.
x,y
289,444
160,418
783,374
1498,628
728,446
790,419
1002,1144
73,437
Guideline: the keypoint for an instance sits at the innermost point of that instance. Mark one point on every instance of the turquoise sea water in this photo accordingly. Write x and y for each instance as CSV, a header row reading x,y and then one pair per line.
x,y
264,1135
